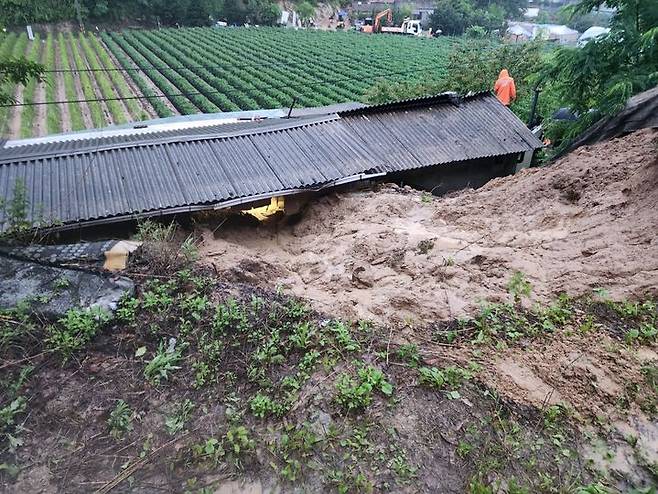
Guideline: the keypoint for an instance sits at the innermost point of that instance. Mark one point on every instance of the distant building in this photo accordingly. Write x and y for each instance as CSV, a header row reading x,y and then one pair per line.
x,y
592,33
531,13
524,31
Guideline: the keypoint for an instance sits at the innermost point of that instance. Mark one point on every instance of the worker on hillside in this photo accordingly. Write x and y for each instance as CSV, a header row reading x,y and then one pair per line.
x,y
505,88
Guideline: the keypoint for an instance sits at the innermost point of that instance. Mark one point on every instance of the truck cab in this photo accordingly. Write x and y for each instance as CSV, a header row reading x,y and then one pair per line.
x,y
412,27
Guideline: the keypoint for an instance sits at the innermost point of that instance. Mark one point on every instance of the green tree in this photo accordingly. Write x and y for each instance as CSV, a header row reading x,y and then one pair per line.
x,y
17,71
474,66
603,74
400,14
269,13
306,11
511,8
452,17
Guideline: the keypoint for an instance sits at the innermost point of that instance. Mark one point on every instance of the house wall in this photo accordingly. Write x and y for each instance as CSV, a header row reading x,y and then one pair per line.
x,y
441,179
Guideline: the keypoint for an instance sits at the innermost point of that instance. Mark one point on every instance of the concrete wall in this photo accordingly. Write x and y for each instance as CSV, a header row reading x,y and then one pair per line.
x,y
441,179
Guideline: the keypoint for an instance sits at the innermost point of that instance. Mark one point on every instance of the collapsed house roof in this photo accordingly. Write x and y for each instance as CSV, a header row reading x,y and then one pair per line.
x,y
639,112
131,176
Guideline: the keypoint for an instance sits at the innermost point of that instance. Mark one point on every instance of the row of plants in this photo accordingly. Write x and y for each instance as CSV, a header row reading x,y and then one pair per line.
x,y
274,76
276,73
182,79
126,62
29,92
246,69
95,108
119,82
103,81
53,112
148,63
75,111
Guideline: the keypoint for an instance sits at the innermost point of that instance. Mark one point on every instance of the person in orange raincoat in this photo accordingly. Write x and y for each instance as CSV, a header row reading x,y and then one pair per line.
x,y
504,88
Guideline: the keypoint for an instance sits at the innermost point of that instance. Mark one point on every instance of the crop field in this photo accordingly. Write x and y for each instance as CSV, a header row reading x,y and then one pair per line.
x,y
78,68
114,78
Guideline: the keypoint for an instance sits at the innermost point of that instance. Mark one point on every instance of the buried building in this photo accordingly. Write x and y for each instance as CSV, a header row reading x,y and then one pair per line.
x,y
439,143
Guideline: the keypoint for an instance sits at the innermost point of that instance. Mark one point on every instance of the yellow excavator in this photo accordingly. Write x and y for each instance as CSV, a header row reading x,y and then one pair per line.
x,y
408,27
376,26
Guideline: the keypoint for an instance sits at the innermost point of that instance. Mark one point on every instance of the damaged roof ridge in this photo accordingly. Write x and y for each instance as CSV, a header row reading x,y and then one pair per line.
x,y
448,97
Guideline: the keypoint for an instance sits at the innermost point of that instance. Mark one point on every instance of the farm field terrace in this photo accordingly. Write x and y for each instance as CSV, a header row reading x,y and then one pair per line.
x,y
203,70
78,67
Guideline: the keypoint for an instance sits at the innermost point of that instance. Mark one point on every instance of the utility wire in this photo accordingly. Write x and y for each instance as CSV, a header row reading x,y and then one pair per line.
x,y
315,84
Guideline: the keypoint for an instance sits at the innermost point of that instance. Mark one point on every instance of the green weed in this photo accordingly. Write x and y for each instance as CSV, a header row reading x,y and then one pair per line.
x,y
238,440
176,422
10,429
127,310
404,472
120,421
302,334
164,362
450,377
346,482
357,394
343,336
518,286
61,283
645,333
210,449
263,406
409,354
75,330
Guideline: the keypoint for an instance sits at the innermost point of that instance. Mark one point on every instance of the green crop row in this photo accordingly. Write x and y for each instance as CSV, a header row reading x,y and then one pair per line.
x,y
181,103
75,113
186,80
104,84
29,92
117,78
53,112
157,103
253,68
95,108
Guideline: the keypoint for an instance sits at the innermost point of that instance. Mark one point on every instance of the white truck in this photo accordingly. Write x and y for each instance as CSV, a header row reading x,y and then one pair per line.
x,y
408,27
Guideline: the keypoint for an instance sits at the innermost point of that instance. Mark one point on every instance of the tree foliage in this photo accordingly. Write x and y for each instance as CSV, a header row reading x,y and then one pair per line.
x,y
603,74
165,12
474,66
17,71
305,11
454,17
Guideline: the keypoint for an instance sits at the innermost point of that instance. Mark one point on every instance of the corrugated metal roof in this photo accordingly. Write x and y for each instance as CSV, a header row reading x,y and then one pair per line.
x,y
443,130
182,125
100,142
83,181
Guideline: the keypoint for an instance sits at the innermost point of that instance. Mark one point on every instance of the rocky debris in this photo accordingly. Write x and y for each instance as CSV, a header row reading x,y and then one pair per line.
x,y
52,291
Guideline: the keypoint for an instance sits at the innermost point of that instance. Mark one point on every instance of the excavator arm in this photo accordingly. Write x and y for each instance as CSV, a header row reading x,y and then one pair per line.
x,y
377,24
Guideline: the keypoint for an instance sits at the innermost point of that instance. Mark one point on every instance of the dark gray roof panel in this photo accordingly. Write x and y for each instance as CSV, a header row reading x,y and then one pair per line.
x,y
79,181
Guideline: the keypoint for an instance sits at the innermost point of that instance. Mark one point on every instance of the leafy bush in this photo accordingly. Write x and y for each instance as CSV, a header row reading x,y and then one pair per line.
x,y
164,362
75,330
120,420
356,394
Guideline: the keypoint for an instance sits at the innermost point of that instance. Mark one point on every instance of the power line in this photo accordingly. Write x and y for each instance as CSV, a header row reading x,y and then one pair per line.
x,y
199,93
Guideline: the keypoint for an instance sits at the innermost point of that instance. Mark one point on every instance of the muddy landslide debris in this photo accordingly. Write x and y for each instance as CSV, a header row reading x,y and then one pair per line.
x,y
396,255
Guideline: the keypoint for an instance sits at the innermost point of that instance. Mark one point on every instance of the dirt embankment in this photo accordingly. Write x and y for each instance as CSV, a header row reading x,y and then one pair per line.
x,y
395,255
